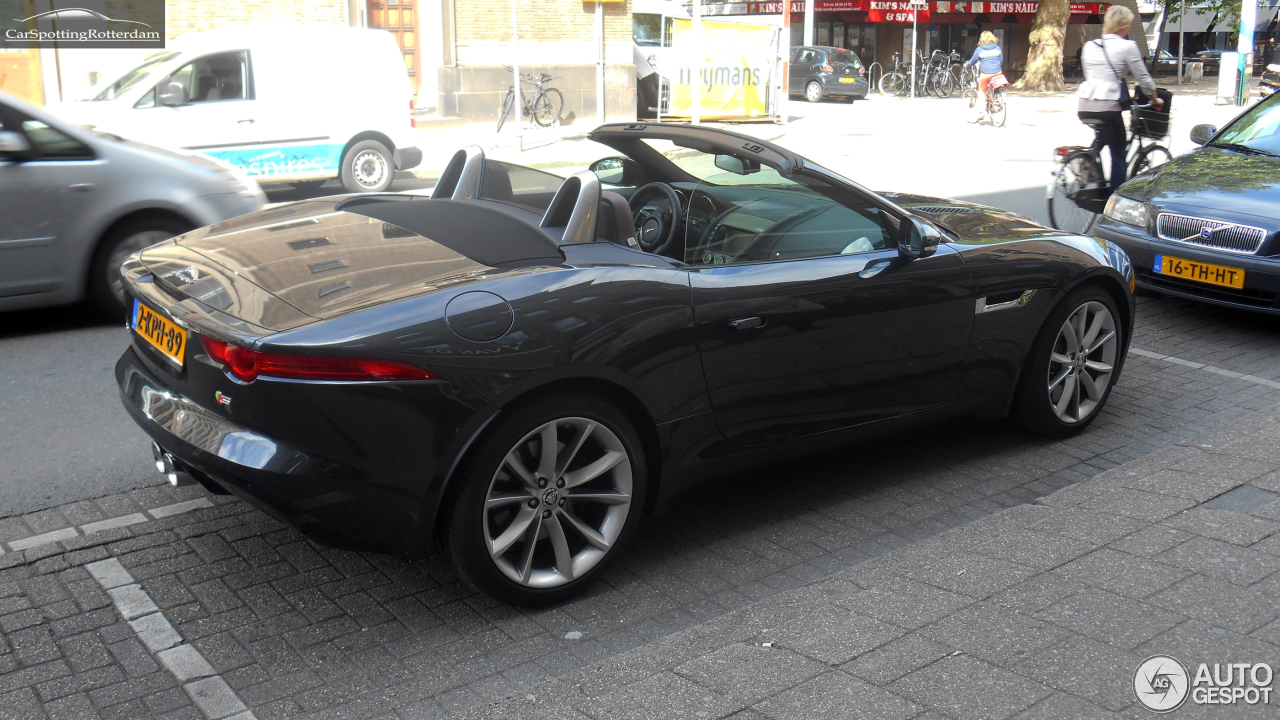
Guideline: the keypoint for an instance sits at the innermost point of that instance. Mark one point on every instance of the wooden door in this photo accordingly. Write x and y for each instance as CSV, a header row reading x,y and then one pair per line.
x,y
400,18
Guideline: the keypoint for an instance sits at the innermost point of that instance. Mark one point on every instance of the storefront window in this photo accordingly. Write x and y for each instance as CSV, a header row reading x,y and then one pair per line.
x,y
837,34
824,33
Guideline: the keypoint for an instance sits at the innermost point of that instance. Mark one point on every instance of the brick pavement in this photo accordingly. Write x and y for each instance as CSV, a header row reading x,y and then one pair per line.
x,y
1045,610
298,630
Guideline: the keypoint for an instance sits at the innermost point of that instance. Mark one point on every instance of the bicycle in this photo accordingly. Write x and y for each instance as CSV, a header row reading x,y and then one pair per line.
x,y
894,82
1080,189
969,81
940,80
545,107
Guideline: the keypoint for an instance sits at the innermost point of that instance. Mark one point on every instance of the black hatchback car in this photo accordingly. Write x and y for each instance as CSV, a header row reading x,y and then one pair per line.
x,y
818,72
1206,225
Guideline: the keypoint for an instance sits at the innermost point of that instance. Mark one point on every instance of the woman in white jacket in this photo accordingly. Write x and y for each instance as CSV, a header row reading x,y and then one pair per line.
x,y
1106,63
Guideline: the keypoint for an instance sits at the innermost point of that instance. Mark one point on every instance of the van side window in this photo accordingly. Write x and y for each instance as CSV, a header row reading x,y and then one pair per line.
x,y
215,78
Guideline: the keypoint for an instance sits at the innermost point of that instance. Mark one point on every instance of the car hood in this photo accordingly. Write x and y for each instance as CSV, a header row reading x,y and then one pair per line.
x,y
970,223
287,266
1217,179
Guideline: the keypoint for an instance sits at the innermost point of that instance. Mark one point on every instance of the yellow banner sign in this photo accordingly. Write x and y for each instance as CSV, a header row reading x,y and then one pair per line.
x,y
735,76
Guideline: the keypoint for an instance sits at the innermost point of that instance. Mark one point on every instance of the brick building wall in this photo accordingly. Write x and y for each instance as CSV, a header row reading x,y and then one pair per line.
x,y
556,37
187,16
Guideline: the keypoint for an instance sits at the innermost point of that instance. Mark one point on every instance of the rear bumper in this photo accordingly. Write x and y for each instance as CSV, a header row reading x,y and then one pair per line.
x,y
831,86
1261,292
359,497
407,157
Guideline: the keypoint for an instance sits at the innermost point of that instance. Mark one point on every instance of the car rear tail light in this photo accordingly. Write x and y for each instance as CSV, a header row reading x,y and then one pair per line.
x,y
1060,153
247,365
413,117
862,71
828,68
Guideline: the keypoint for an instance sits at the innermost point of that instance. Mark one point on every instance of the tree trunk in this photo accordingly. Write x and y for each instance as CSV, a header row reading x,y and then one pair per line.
x,y
1044,58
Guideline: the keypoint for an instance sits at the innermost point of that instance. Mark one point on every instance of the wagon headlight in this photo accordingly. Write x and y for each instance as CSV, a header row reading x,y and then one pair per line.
x,y
1129,212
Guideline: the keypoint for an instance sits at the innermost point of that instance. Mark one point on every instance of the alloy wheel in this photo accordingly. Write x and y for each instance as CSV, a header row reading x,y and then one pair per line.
x,y
813,92
558,502
1082,362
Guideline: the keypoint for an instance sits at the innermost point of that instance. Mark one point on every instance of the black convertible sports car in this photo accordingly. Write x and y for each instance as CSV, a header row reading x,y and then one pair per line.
x,y
519,366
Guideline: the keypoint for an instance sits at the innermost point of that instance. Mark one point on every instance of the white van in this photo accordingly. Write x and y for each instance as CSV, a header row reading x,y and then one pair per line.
x,y
299,104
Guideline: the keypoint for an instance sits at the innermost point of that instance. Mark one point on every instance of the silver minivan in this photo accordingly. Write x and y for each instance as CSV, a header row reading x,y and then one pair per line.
x,y
75,203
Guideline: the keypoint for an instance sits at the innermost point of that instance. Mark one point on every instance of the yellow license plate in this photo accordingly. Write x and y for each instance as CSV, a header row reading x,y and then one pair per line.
x,y
1200,271
161,332
848,80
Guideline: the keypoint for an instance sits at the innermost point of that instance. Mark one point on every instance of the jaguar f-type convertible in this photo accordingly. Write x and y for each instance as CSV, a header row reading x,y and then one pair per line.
x,y
518,367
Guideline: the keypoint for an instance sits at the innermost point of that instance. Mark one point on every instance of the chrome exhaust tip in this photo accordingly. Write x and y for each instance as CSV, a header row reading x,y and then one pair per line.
x,y
169,466
157,454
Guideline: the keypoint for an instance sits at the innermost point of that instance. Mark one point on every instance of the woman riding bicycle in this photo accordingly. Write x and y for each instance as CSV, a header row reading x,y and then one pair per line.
x,y
988,57
1106,63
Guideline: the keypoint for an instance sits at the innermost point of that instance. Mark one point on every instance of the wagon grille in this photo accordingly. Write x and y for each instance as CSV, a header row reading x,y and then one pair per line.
x,y
1221,235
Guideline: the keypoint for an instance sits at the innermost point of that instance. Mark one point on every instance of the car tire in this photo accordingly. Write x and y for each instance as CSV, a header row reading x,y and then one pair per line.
x,y
106,288
367,167
813,91
579,526
1054,373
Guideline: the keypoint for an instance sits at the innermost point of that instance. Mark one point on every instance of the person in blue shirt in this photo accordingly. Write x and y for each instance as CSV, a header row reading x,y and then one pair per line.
x,y
989,59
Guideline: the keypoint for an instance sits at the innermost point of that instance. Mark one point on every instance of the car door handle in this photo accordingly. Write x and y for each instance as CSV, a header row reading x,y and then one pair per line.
x,y
247,120
82,187
746,323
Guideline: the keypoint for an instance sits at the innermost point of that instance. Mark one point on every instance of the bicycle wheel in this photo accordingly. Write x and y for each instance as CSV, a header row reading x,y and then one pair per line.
x,y
943,84
546,109
893,83
1079,173
1150,158
999,108
507,102
971,95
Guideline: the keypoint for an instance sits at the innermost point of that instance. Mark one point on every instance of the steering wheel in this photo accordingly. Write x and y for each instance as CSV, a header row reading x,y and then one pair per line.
x,y
655,231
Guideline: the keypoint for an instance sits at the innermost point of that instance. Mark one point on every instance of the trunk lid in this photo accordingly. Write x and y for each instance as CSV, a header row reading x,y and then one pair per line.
x,y
287,266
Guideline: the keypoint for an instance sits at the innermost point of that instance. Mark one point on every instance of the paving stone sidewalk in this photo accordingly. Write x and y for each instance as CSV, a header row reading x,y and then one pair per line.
x,y
1043,610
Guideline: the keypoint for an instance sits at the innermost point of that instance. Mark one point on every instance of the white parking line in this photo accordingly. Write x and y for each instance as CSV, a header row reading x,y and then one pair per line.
x,y
207,689
1207,368
100,525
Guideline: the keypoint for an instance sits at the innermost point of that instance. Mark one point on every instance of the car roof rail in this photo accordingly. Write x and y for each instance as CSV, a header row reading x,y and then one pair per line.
x,y
575,207
461,177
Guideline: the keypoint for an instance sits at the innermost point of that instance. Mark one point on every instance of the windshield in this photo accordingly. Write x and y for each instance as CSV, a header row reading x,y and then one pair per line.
x,y
1258,129
134,76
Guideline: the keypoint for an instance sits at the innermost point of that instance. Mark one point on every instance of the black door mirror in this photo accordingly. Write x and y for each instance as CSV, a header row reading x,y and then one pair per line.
x,y
13,146
1201,134
920,240
172,93
617,171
